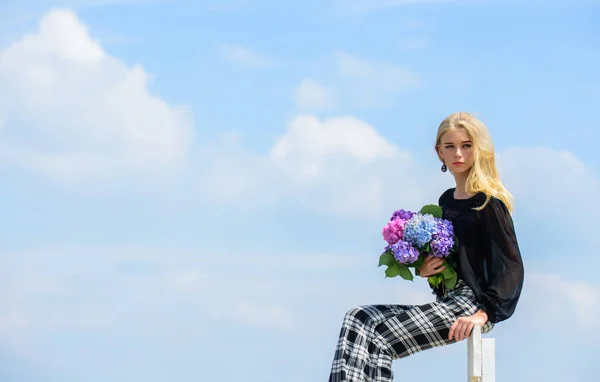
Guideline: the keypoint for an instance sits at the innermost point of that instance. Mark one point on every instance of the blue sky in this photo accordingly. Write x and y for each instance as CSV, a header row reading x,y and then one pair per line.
x,y
196,190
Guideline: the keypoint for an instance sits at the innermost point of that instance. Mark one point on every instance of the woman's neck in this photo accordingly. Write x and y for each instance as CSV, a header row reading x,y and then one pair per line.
x,y
460,191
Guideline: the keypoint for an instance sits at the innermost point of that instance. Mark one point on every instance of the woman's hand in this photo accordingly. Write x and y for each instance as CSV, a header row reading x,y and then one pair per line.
x,y
462,327
431,266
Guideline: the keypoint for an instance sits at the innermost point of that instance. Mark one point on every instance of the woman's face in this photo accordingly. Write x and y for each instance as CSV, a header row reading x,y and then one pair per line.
x,y
456,149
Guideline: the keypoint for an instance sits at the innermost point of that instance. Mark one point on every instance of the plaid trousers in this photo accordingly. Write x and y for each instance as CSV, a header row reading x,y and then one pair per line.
x,y
372,336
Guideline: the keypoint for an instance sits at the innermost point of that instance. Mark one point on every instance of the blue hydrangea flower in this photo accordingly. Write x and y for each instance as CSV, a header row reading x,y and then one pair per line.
x,y
404,252
419,230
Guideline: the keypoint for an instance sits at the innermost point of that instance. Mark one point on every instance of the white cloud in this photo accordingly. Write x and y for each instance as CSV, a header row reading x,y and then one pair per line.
x,y
271,292
237,174
72,110
352,81
579,298
309,145
243,56
547,182
311,95
550,176
84,289
372,83
343,165
339,165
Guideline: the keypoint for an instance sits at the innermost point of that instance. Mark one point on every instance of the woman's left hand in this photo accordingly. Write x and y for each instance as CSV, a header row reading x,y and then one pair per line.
x,y
462,327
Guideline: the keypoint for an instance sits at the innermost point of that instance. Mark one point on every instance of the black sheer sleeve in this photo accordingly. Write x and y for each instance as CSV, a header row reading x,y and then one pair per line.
x,y
504,270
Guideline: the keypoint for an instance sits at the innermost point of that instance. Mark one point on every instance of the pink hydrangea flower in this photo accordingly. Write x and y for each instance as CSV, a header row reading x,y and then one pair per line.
x,y
392,232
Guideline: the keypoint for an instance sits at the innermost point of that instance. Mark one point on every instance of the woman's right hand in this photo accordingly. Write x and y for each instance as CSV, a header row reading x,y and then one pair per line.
x,y
431,266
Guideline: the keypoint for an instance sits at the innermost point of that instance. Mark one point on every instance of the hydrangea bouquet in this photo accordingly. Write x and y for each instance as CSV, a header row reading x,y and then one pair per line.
x,y
413,235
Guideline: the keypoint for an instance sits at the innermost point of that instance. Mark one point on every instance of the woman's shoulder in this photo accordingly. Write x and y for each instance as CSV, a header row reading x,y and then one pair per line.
x,y
445,196
495,204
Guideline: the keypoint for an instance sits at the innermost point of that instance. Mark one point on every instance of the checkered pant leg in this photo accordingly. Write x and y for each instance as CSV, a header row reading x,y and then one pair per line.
x,y
372,336
362,354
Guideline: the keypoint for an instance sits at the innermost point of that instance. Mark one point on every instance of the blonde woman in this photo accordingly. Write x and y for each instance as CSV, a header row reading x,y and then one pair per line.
x,y
489,267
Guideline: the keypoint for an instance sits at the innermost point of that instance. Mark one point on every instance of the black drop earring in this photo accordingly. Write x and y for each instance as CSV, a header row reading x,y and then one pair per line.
x,y
444,168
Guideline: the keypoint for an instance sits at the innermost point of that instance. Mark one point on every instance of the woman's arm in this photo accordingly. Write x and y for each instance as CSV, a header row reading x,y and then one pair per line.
x,y
503,262
504,271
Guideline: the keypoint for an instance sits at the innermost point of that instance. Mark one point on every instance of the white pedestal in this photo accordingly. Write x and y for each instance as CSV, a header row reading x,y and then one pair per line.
x,y
481,357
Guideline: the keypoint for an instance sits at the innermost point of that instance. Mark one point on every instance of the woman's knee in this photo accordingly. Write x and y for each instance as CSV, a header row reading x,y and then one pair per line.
x,y
358,313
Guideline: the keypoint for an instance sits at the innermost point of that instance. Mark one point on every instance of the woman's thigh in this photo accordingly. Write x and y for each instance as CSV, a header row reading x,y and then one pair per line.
x,y
424,326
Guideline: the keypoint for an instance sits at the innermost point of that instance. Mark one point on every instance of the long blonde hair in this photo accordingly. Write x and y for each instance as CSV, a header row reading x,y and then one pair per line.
x,y
483,175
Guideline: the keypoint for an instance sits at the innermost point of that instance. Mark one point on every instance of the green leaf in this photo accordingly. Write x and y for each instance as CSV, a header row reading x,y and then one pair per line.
x,y
386,258
419,263
404,272
450,283
392,271
432,209
448,273
435,280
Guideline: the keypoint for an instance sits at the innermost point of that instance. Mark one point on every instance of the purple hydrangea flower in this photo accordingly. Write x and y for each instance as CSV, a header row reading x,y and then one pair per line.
x,y
443,240
402,214
419,230
404,252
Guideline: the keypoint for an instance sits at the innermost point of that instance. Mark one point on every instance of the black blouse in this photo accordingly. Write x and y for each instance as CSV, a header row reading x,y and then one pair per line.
x,y
488,260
